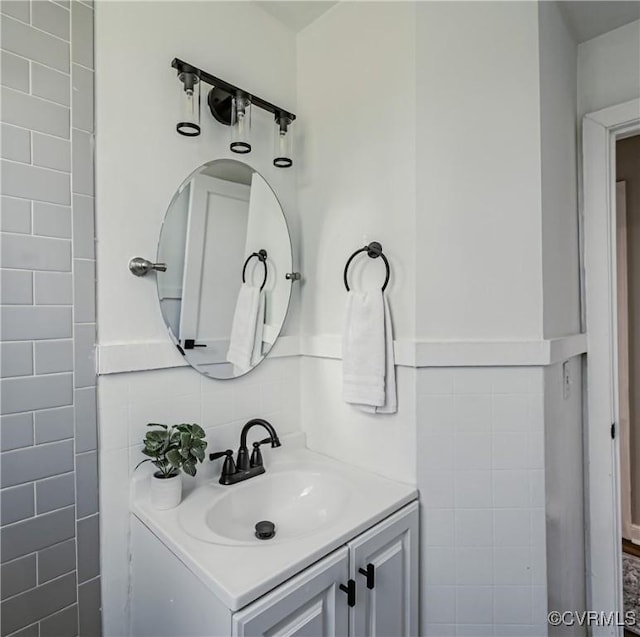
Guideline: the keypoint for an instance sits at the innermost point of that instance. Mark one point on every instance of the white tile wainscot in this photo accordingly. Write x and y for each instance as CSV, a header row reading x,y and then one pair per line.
x,y
480,472
128,401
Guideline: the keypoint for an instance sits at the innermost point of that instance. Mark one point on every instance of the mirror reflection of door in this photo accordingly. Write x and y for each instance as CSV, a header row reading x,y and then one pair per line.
x,y
220,216
215,246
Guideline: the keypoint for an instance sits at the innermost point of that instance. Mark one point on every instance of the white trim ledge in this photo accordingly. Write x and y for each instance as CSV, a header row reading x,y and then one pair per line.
x,y
410,353
115,358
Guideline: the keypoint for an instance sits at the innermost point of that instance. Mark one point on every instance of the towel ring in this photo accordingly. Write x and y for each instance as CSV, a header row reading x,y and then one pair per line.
x,y
261,256
373,250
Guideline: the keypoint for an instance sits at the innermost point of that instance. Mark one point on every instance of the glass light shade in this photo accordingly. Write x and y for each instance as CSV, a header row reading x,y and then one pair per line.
x,y
189,123
240,125
282,143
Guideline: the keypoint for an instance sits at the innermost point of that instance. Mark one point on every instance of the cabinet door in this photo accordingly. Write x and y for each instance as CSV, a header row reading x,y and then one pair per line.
x,y
389,608
310,604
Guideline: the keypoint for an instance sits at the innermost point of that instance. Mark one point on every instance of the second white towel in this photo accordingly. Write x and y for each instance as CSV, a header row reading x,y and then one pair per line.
x,y
245,343
368,364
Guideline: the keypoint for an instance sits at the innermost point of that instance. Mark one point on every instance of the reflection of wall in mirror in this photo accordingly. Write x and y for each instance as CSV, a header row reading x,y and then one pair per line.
x,y
171,252
267,230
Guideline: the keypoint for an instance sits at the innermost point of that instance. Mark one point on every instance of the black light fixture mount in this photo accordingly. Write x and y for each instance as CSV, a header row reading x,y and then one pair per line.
x,y
221,99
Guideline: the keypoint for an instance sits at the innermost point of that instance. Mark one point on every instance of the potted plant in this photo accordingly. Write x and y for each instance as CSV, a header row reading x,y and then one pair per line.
x,y
171,449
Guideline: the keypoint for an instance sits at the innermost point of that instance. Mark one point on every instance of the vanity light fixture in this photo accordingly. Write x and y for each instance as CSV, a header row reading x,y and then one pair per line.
x,y
231,105
189,124
282,142
240,124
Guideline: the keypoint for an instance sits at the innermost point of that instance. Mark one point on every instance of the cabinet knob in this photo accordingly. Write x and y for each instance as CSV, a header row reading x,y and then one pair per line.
x,y
370,574
350,590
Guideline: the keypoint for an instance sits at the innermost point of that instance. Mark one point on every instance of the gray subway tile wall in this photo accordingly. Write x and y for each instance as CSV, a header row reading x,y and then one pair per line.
x,y
26,252
35,113
63,623
51,425
16,143
56,561
33,182
16,431
53,288
14,71
21,39
29,631
16,215
53,356
49,518
50,84
52,152
17,504
18,576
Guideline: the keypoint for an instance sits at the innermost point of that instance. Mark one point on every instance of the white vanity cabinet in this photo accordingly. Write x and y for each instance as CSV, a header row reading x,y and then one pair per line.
x,y
381,565
387,595
308,605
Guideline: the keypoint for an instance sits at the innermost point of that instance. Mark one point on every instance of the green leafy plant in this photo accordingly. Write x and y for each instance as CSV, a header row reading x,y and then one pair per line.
x,y
175,447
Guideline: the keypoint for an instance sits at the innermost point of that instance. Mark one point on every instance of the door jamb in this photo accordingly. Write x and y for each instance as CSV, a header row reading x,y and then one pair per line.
x,y
600,132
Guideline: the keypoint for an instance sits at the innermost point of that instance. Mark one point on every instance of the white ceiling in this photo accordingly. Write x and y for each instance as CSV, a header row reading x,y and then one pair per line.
x,y
295,14
590,18
586,18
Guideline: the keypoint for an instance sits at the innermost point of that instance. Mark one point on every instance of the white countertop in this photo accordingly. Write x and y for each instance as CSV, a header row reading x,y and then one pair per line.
x,y
239,574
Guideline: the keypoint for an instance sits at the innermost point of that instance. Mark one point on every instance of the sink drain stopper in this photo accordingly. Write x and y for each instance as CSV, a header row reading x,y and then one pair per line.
x,y
265,530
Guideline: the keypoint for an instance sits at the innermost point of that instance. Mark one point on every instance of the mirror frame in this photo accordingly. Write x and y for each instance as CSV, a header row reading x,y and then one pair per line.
x,y
176,194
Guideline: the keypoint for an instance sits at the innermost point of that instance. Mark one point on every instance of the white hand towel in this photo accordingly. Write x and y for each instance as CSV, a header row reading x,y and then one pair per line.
x,y
256,354
247,324
368,363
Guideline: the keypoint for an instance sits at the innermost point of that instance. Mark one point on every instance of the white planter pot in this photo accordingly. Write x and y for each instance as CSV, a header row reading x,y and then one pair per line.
x,y
166,493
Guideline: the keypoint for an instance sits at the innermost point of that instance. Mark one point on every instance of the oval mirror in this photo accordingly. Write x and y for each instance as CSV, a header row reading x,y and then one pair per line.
x,y
224,295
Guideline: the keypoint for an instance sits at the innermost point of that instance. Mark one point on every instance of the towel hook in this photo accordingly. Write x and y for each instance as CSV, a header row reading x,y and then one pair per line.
x,y
261,255
373,250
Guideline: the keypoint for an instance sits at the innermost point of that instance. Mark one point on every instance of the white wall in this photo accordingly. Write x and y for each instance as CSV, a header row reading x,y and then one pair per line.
x,y
141,160
558,130
486,133
564,480
609,69
498,257
479,250
356,101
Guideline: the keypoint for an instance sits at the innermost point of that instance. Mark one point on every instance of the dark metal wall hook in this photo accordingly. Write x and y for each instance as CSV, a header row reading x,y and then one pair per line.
x,y
261,255
373,250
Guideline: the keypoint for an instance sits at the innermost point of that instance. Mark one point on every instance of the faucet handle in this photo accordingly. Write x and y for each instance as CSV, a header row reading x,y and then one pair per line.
x,y
220,454
256,456
229,466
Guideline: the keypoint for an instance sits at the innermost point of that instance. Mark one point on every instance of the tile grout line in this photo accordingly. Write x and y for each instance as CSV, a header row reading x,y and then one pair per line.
x,y
40,30
38,585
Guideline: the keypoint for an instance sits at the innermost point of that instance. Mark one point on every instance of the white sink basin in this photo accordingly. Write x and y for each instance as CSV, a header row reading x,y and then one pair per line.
x,y
298,501
316,503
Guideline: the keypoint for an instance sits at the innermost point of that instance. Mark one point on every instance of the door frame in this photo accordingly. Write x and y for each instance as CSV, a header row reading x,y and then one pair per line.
x,y
600,131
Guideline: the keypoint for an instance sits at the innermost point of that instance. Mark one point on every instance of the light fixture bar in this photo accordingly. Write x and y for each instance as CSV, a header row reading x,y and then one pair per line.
x,y
212,80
